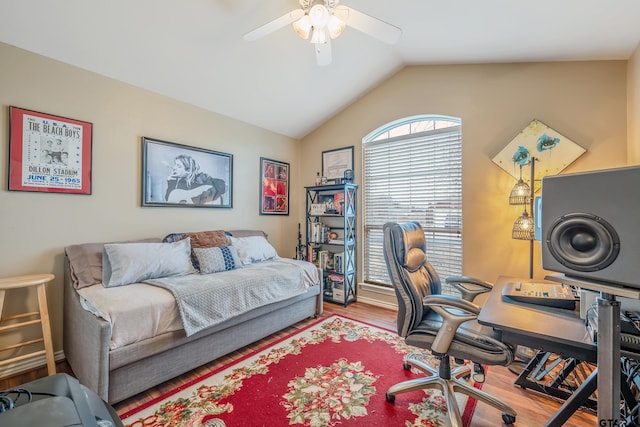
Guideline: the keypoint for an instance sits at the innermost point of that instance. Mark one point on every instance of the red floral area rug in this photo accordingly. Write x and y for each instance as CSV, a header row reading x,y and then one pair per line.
x,y
333,373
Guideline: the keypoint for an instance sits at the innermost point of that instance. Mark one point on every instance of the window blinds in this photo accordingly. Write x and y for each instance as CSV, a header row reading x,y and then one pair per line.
x,y
414,177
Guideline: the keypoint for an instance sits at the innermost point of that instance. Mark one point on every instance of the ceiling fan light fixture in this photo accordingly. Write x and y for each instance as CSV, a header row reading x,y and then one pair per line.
x,y
324,20
335,26
318,36
302,27
318,16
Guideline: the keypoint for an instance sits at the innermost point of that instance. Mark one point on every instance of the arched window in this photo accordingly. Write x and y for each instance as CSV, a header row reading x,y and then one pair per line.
x,y
413,171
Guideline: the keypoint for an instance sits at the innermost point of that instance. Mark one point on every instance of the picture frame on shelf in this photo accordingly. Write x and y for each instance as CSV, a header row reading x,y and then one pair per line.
x,y
177,175
335,162
317,209
49,153
274,187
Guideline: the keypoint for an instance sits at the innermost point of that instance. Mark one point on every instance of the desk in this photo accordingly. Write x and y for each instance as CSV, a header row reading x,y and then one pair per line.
x,y
550,329
561,332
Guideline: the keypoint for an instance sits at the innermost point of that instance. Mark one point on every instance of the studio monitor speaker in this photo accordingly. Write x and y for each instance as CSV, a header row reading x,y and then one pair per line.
x,y
591,225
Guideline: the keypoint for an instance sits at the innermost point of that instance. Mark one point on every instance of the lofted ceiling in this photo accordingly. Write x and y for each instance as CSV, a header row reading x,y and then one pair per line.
x,y
193,51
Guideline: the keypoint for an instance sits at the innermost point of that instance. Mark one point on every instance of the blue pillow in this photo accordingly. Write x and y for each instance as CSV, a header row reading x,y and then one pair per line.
x,y
215,259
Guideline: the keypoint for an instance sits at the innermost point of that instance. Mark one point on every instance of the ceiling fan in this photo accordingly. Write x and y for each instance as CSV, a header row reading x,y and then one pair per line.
x,y
320,21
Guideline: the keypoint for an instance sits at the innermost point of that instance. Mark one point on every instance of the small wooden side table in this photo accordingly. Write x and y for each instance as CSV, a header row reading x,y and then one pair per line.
x,y
22,320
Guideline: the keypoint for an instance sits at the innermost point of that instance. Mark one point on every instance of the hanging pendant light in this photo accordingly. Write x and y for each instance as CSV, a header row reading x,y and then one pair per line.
x,y
523,228
521,192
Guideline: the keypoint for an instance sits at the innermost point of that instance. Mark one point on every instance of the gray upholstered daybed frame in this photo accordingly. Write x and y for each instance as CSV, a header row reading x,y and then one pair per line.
x,y
121,373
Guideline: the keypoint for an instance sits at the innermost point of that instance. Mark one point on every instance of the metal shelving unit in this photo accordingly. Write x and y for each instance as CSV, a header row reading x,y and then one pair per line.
x,y
331,238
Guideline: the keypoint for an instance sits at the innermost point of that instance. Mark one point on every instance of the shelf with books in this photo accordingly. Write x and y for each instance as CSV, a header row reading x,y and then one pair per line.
x,y
331,238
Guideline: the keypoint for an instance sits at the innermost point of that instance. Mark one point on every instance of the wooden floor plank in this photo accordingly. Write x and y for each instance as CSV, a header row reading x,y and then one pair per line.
x,y
533,409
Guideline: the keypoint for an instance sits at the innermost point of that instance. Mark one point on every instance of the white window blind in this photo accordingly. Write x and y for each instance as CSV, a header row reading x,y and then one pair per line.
x,y
415,176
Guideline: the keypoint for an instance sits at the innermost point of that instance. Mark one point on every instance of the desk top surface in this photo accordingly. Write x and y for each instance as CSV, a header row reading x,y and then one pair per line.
x,y
557,328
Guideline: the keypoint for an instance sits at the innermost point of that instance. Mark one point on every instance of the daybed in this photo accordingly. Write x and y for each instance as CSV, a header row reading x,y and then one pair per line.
x,y
121,338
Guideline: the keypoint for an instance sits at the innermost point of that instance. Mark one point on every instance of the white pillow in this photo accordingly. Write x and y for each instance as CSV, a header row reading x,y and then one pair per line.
x,y
215,259
126,263
253,249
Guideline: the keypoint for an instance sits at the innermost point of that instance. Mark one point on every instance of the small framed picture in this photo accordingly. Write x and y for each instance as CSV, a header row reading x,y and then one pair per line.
x,y
274,187
317,209
180,175
335,162
48,153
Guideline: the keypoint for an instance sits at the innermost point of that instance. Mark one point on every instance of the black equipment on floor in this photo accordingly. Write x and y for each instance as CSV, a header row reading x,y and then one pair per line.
x,y
55,401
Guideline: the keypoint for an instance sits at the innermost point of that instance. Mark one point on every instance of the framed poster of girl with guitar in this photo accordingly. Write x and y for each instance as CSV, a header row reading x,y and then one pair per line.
x,y
183,176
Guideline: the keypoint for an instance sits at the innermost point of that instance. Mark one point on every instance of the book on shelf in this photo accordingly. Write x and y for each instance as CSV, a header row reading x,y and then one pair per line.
x,y
336,278
323,260
338,202
338,262
312,254
317,232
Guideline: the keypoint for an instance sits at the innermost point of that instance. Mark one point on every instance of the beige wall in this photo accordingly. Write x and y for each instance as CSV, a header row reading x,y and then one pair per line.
x,y
585,101
633,107
35,227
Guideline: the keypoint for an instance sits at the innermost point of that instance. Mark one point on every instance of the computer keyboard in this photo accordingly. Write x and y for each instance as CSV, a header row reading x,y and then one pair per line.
x,y
546,294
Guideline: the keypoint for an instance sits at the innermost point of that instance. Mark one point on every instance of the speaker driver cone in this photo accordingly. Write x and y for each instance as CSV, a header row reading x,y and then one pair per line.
x,y
583,242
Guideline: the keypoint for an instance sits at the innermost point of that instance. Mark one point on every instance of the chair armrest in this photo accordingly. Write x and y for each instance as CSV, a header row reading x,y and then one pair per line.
x,y
454,312
469,287
452,302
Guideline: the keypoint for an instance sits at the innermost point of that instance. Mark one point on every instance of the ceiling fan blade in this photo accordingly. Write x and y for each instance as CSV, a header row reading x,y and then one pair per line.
x,y
374,27
274,25
323,52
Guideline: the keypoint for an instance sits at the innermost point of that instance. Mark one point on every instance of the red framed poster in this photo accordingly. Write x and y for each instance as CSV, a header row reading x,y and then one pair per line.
x,y
49,153
274,187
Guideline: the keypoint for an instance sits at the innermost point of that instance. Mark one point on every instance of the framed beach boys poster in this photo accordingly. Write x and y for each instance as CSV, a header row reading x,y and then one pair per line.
x,y
49,153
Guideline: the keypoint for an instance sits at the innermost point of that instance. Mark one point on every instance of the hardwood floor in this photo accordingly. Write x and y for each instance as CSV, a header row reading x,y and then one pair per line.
x,y
533,409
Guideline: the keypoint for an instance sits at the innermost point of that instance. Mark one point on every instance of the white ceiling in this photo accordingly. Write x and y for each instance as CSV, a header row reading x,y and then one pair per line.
x,y
193,50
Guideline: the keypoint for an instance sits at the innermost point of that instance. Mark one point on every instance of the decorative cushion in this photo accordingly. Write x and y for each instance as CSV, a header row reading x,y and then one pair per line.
x,y
127,263
253,249
85,261
208,239
213,260
172,238
201,239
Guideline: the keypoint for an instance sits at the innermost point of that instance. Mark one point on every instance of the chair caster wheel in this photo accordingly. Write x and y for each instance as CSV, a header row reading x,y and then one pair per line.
x,y
390,397
406,366
508,419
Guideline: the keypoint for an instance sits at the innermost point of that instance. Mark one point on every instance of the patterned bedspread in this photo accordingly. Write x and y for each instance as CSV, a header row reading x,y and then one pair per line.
x,y
206,300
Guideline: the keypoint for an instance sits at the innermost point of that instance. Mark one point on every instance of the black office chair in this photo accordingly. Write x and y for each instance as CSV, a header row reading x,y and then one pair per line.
x,y
445,324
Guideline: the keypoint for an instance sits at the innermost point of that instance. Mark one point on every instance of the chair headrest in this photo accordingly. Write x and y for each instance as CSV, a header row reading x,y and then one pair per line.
x,y
411,244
